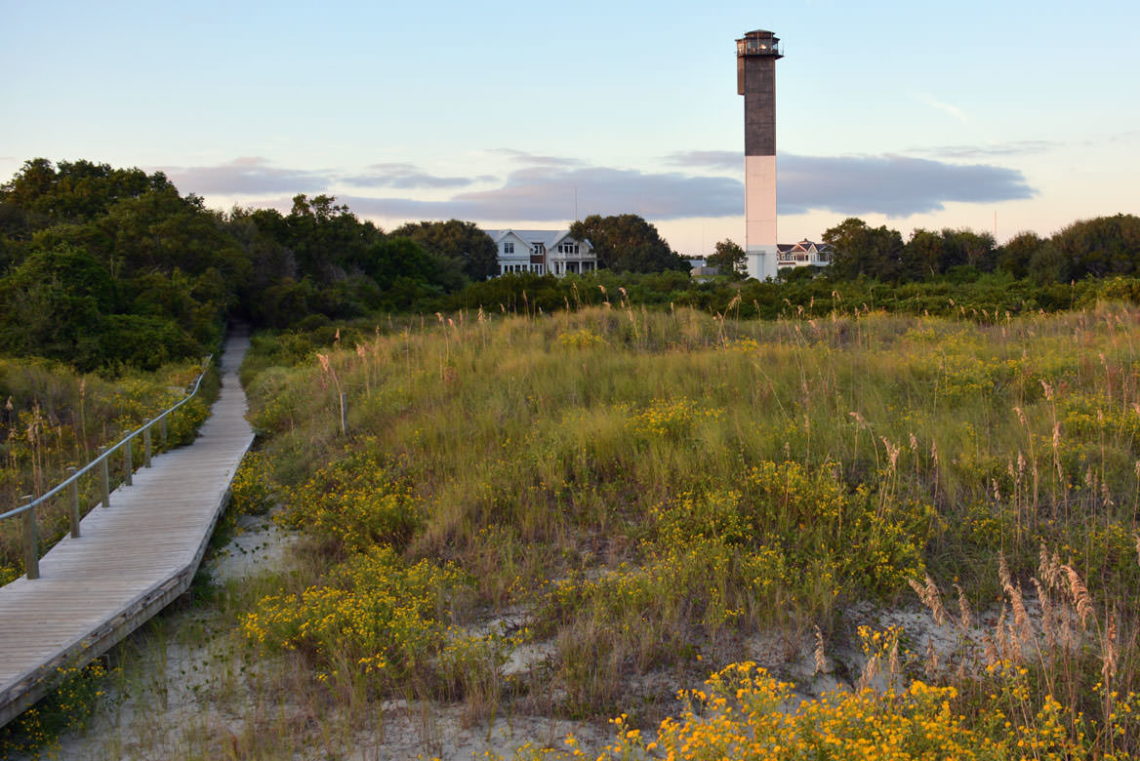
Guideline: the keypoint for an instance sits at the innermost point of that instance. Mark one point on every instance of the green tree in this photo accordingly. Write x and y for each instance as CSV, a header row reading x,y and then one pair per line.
x,y
729,259
1100,247
403,259
1014,257
74,191
460,241
627,243
327,240
861,250
52,306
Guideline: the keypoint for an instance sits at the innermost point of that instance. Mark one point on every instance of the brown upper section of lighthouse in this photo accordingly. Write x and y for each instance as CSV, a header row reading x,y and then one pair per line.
x,y
756,55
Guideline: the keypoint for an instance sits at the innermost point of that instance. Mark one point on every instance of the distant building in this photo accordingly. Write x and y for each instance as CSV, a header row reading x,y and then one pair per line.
x,y
699,268
803,254
543,252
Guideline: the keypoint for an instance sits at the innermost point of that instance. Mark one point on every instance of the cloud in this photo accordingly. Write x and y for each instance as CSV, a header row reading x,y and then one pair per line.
x,y
530,159
407,177
944,107
560,189
246,175
708,159
998,150
554,194
897,186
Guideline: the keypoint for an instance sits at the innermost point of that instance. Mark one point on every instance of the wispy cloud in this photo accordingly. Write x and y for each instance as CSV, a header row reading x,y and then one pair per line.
x,y
250,174
407,177
946,108
531,159
988,151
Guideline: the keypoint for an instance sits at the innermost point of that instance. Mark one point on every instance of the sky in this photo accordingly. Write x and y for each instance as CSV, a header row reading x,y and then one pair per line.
x,y
1000,116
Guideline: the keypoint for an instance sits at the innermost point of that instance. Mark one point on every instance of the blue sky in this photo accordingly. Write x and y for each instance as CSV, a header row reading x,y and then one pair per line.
x,y
989,115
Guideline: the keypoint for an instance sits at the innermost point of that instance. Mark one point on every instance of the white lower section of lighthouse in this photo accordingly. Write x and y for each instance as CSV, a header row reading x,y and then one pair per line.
x,y
760,216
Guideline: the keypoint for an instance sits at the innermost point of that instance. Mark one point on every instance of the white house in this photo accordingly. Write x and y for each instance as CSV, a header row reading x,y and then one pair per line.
x,y
803,254
543,252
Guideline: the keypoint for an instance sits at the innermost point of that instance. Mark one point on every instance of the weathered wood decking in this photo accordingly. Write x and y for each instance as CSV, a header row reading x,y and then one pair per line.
x,y
132,559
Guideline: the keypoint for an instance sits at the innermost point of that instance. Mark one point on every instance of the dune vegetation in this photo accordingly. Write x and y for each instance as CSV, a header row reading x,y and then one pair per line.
x,y
637,494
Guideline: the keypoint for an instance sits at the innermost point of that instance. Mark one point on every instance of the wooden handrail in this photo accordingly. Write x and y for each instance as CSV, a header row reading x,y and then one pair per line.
x,y
31,533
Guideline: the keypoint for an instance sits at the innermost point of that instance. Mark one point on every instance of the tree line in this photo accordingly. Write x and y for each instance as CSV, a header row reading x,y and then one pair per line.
x,y
1096,248
104,267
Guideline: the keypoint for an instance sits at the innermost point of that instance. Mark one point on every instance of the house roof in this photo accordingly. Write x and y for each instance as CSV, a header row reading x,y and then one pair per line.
x,y
548,238
804,245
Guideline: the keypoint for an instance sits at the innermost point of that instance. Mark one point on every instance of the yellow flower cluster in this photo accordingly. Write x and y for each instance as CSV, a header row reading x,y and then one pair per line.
x,y
250,490
377,611
743,713
580,339
357,501
32,735
671,418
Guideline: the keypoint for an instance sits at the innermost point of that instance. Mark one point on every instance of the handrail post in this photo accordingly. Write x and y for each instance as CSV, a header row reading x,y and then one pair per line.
x,y
106,477
31,542
74,506
129,460
146,447
165,445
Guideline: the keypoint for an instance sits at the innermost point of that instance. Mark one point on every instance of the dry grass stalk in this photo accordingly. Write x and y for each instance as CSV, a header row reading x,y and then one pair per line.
x,y
989,651
1049,568
1047,613
892,452
1020,626
1066,635
1079,594
894,668
870,671
818,653
1001,636
1003,573
965,614
932,666
1108,651
1021,416
930,597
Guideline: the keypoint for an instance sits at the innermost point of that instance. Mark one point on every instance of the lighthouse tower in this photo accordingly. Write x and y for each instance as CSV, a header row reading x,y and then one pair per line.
x,y
756,55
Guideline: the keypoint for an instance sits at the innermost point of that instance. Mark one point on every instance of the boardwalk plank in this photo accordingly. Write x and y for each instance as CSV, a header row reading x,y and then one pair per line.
x,y
132,559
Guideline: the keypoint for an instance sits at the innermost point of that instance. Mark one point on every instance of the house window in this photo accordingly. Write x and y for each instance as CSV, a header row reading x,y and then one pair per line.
x,y
509,247
538,269
539,248
567,248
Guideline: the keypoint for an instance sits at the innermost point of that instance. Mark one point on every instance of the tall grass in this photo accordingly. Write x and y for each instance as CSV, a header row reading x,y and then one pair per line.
x,y
653,485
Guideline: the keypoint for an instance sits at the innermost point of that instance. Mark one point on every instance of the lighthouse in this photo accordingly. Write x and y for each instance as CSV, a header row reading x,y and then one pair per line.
x,y
756,56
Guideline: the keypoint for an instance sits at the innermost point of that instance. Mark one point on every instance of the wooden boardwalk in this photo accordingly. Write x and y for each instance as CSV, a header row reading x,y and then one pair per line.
x,y
132,559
